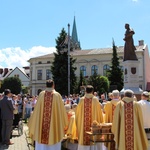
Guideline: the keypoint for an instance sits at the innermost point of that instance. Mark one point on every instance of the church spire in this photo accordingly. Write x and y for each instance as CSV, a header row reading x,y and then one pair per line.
x,y
74,36
74,31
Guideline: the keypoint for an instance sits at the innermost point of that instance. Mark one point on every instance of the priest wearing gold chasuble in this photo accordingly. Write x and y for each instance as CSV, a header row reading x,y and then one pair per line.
x,y
109,109
88,110
49,119
127,126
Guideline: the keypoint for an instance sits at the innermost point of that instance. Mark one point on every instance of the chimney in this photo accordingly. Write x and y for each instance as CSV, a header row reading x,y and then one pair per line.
x,y
141,42
5,71
1,70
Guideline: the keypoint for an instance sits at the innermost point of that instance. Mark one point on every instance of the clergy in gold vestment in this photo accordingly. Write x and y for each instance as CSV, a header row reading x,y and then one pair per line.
x,y
109,109
87,111
49,118
72,130
128,127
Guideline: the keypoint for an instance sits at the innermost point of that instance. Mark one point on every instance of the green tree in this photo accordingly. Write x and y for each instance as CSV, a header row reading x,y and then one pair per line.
x,y
115,75
59,66
93,80
12,83
24,89
81,82
100,83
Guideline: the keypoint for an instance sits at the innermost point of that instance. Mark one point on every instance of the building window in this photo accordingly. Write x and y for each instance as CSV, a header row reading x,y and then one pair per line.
x,y
48,62
94,69
83,69
39,74
106,68
16,75
39,62
48,74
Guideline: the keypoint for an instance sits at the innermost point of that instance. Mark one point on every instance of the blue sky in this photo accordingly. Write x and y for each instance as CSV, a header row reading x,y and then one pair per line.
x,y
29,28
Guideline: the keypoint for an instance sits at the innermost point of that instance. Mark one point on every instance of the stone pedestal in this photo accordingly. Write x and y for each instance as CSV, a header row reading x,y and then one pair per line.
x,y
131,77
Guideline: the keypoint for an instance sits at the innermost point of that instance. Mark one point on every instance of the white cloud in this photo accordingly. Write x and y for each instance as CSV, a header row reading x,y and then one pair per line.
x,y
17,57
135,0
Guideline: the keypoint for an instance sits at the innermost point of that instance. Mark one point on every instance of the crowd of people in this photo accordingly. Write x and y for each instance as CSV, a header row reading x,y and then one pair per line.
x,y
51,116
13,108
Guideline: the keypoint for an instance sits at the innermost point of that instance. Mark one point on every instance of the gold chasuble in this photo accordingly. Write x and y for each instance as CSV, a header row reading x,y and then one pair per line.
x,y
49,118
87,111
127,126
109,110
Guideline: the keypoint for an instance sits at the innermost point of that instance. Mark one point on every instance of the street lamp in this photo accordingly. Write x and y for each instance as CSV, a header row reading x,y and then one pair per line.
x,y
68,60
65,47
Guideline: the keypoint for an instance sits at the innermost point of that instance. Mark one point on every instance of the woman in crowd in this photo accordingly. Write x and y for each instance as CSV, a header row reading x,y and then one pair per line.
x,y
28,107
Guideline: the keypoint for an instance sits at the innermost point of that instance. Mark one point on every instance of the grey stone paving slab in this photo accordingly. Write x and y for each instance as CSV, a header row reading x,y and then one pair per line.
x,y
20,142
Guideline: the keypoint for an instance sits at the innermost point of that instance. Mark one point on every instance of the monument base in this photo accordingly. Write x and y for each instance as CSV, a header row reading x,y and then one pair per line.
x,y
131,78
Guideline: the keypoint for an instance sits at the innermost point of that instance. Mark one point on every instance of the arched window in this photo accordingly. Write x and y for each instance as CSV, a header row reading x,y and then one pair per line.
x,y
106,68
83,69
94,69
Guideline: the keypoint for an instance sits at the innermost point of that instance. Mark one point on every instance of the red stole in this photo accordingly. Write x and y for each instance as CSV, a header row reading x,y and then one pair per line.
x,y
112,144
48,99
129,125
113,109
87,119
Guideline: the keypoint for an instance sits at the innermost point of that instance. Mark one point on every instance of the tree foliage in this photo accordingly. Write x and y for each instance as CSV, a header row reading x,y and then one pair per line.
x,y
100,83
93,80
12,83
115,73
80,82
103,84
24,89
59,66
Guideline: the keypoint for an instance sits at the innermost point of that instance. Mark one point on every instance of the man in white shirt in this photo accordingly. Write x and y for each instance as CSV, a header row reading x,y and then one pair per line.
x,y
145,106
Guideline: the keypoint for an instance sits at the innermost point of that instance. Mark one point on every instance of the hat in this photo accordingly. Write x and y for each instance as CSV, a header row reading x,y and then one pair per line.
x,y
145,93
